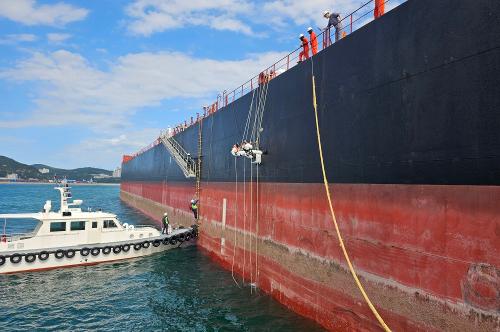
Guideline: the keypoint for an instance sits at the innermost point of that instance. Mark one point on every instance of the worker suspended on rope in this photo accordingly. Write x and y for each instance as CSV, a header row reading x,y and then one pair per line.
x,y
194,208
304,55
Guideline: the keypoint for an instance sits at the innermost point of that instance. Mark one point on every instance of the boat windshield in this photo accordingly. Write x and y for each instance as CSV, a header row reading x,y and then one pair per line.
x,y
18,229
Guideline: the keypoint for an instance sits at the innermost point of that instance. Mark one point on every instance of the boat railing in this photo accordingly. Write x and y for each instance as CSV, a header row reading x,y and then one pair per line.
x,y
16,236
348,24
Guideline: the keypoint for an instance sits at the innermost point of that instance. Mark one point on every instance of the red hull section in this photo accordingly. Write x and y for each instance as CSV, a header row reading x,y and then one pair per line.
x,y
417,247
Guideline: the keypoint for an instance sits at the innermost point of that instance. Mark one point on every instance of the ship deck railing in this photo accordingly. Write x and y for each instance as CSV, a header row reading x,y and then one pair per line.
x,y
349,23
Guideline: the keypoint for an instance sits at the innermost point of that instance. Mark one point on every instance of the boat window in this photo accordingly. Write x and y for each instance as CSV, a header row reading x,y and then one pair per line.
x,y
78,225
109,224
58,226
94,224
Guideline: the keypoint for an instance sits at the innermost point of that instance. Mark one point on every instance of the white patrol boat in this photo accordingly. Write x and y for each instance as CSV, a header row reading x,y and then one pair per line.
x,y
72,237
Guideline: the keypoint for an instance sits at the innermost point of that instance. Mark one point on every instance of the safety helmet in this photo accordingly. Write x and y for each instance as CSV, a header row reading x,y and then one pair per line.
x,y
165,214
309,29
326,13
301,36
192,201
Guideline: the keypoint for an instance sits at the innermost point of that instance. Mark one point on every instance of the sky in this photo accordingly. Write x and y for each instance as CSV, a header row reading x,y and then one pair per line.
x,y
84,82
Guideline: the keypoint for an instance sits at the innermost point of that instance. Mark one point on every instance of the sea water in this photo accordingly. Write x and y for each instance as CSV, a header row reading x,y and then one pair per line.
x,y
178,290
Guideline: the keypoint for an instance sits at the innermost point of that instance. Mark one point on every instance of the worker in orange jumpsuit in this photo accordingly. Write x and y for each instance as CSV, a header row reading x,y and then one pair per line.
x,y
314,40
304,55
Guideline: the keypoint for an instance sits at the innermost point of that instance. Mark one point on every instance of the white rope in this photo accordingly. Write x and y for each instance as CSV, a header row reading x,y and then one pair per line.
x,y
235,213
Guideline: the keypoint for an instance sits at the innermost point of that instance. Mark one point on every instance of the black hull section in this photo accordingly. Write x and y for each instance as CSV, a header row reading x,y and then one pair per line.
x,y
411,98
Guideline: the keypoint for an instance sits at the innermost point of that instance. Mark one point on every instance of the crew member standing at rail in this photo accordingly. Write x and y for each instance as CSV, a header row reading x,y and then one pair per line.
x,y
304,55
333,20
314,40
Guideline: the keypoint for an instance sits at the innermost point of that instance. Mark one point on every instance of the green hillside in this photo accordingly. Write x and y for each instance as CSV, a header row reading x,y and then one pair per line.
x,y
8,165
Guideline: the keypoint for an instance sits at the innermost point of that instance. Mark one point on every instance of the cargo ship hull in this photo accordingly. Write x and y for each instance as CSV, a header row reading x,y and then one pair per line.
x,y
409,111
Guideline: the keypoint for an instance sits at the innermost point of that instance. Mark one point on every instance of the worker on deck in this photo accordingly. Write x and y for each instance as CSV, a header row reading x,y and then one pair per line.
x,y
194,208
164,221
333,21
304,55
313,40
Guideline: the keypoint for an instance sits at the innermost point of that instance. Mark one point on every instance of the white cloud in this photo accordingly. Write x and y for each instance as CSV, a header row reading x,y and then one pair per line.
x,y
72,91
57,37
150,16
18,38
105,151
28,12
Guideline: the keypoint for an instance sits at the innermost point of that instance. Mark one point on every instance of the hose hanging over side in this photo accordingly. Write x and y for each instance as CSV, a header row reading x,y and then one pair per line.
x,y
332,212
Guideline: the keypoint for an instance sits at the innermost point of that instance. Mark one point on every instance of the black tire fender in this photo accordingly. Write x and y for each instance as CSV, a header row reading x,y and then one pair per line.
x,y
30,258
126,247
182,237
43,255
106,250
166,241
85,252
70,253
59,253
2,260
95,251
173,240
188,237
156,243
146,244
137,246
117,249
16,258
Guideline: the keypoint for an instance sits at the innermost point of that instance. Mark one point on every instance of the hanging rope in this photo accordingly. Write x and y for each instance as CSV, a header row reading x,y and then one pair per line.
x,y
244,219
332,212
235,213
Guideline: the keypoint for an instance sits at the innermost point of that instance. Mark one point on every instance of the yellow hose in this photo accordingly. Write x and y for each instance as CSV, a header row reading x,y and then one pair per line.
x,y
341,241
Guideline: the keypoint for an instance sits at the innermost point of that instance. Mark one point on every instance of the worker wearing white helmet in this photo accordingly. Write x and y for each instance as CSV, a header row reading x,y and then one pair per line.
x,y
304,55
335,21
313,40
165,223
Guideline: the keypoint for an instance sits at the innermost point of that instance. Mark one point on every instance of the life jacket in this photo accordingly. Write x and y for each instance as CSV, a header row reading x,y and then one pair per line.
x,y
194,206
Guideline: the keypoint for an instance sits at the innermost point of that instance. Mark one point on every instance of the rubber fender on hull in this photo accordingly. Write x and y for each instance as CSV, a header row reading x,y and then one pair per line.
x,y
95,251
126,247
59,253
117,249
2,260
181,237
70,253
30,258
137,246
166,241
156,243
16,258
173,240
84,252
106,250
188,237
146,244
43,255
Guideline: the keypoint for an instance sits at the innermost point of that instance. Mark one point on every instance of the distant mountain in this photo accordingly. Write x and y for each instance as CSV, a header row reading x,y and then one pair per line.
x,y
84,173
8,166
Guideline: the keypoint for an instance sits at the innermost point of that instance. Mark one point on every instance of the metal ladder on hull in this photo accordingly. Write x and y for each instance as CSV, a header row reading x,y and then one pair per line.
x,y
198,165
181,157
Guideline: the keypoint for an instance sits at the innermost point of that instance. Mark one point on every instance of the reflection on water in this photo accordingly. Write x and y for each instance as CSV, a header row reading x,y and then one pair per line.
x,y
180,290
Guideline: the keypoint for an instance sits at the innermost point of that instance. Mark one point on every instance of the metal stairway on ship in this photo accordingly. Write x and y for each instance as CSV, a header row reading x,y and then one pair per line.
x,y
185,161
